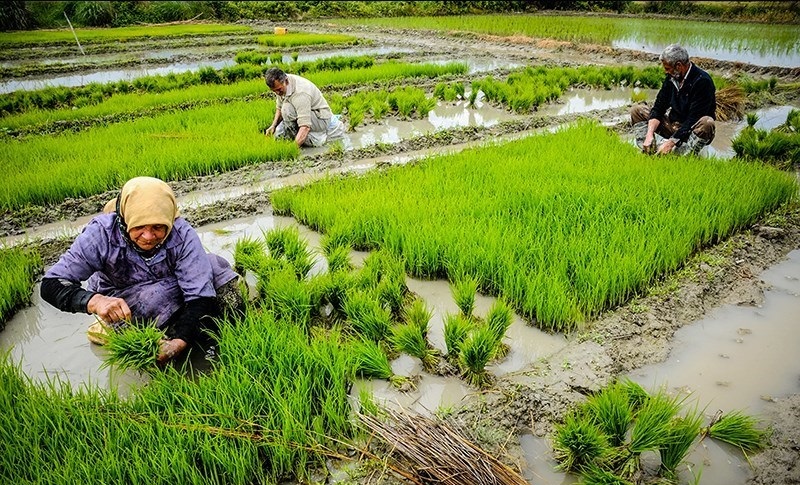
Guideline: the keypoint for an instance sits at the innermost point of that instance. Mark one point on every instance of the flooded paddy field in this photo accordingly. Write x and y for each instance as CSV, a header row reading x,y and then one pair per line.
x,y
724,334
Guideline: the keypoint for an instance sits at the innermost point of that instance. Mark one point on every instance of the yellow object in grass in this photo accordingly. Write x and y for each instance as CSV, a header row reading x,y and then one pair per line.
x,y
280,30
98,333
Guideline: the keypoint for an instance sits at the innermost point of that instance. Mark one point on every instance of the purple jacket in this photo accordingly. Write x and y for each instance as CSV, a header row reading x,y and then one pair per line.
x,y
179,272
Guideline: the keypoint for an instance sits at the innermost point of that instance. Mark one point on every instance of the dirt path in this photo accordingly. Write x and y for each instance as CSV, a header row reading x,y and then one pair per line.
x,y
626,338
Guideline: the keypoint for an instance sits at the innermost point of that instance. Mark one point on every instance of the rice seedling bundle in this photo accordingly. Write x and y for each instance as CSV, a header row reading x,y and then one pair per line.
x,y
780,146
418,314
133,346
18,270
456,329
739,430
366,315
288,297
683,432
248,255
464,289
578,443
475,352
596,227
612,410
409,339
287,243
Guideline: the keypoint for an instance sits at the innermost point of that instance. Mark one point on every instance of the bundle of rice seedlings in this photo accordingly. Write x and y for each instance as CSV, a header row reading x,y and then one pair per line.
x,y
384,273
367,316
408,338
498,320
752,119
133,347
330,288
730,103
286,243
339,259
739,430
371,362
419,315
578,443
596,475
456,329
464,288
682,433
792,124
476,351
612,412
637,395
437,453
287,297
248,255
651,430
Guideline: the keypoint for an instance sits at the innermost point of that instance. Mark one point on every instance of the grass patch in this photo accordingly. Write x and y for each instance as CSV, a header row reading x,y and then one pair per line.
x,y
294,39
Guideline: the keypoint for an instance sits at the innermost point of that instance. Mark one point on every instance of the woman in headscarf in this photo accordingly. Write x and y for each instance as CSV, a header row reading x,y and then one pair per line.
x,y
143,262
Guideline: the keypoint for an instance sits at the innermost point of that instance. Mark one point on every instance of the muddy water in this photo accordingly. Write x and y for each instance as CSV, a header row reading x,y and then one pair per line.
x,y
768,118
788,56
737,358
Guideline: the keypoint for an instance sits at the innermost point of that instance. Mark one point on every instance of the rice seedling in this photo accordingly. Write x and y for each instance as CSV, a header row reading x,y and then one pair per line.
x,y
134,346
682,434
578,443
476,351
384,273
371,361
287,243
456,329
637,395
339,259
740,430
464,287
418,314
593,474
287,297
612,411
650,431
248,255
293,39
330,288
367,317
780,147
557,253
498,320
367,404
18,270
408,338
752,119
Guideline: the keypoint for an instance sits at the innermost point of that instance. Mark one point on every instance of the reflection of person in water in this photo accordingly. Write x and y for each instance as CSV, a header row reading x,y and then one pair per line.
x,y
681,120
301,112
143,262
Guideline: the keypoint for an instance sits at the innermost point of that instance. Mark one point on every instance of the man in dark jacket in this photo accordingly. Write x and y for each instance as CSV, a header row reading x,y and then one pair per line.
x,y
681,120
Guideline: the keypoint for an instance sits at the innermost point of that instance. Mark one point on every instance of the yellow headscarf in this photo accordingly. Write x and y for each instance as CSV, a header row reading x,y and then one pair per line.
x,y
144,201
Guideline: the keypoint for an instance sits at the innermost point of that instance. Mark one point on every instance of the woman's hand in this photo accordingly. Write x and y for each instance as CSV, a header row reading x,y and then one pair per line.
x,y
109,308
170,349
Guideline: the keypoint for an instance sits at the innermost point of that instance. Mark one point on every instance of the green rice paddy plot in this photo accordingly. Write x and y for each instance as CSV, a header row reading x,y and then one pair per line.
x,y
294,39
562,226
119,34
173,146
738,37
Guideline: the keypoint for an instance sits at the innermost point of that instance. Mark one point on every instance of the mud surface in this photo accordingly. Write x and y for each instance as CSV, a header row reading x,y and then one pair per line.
x,y
639,333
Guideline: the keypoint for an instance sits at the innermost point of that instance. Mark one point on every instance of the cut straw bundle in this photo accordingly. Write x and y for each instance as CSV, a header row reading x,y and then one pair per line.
x,y
437,453
730,103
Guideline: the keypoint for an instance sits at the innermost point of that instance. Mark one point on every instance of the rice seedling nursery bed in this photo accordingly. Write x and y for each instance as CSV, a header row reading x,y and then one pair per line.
x,y
571,228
